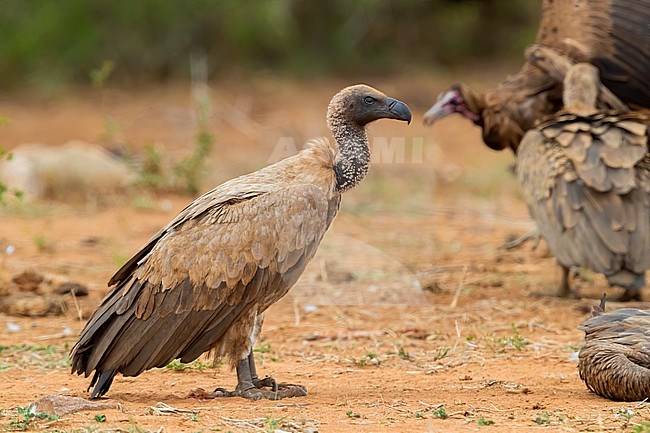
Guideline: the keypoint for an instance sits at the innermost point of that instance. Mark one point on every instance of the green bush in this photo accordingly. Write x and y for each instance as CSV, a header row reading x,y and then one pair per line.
x,y
47,43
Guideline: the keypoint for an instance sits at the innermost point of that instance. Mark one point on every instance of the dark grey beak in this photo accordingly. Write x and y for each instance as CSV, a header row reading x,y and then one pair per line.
x,y
398,110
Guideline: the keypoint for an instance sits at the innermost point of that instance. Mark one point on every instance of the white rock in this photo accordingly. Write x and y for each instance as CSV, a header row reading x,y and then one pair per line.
x,y
75,170
12,327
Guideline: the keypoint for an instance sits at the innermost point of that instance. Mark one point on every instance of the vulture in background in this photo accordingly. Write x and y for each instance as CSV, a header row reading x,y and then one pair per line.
x,y
615,360
585,175
611,34
203,282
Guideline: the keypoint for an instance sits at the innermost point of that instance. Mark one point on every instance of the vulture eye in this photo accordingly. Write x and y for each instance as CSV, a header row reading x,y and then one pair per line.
x,y
369,100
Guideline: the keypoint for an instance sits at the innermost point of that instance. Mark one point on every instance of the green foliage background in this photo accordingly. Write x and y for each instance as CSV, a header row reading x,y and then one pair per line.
x,y
61,41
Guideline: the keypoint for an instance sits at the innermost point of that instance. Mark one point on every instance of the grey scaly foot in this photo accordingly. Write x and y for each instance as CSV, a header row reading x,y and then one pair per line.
x,y
250,387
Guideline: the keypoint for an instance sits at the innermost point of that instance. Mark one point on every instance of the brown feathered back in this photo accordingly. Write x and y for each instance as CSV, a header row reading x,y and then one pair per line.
x,y
615,360
586,180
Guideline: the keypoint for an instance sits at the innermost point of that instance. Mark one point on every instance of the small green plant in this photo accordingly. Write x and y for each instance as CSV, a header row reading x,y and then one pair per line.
x,y
100,418
516,341
352,414
368,359
542,419
100,75
440,413
483,421
263,348
644,427
26,416
402,353
442,353
177,365
151,173
271,424
24,355
3,187
112,133
44,244
190,171
625,413
419,415
574,347
143,202
194,417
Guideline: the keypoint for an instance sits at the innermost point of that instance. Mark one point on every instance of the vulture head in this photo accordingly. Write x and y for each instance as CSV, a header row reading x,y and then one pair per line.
x,y
457,99
499,129
581,89
361,104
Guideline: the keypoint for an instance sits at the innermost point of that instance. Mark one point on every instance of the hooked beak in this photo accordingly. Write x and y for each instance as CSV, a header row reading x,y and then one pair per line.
x,y
438,111
398,110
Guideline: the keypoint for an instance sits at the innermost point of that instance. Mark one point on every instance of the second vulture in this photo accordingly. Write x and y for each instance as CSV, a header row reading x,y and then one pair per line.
x,y
612,34
585,175
203,282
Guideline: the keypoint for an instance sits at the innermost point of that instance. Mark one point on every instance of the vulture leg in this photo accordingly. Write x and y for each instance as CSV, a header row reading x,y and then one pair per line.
x,y
564,290
268,381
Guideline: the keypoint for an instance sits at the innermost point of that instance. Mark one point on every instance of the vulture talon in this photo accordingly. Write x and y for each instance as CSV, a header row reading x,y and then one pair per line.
x,y
266,382
202,394
221,392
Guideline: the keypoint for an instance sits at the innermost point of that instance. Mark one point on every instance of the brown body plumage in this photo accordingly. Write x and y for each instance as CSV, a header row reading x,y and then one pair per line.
x,y
615,360
203,282
585,175
612,34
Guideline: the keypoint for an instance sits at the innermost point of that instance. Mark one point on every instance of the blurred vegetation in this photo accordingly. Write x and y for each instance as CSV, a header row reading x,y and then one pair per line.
x,y
47,43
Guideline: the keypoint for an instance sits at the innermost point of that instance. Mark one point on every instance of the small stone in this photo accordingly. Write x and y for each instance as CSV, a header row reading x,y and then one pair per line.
x,y
12,327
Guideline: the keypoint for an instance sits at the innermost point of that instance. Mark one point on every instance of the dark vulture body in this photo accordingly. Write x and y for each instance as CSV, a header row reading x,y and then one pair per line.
x,y
611,34
585,175
203,282
615,360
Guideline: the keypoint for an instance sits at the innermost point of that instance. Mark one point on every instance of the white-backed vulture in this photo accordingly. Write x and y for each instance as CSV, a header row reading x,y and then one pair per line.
x,y
615,359
611,34
585,175
203,282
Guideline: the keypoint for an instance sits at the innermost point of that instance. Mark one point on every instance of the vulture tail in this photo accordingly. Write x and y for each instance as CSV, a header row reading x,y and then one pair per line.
x,y
102,381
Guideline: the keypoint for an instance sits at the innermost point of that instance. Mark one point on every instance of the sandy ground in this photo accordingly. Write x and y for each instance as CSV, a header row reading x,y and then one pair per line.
x,y
410,319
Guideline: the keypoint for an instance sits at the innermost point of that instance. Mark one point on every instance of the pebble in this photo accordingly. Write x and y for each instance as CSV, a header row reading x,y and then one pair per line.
x,y
12,327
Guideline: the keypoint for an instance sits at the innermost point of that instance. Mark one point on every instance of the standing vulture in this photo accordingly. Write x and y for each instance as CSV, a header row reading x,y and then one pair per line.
x,y
615,360
203,282
585,175
611,34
